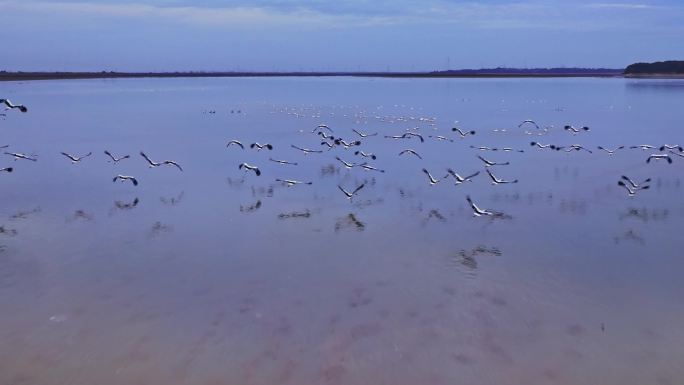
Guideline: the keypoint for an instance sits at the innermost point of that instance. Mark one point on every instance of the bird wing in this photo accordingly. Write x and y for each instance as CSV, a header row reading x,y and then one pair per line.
x,y
148,159
173,163
344,191
69,156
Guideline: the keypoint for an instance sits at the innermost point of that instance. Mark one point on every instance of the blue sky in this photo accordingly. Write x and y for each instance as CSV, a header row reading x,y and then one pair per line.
x,y
163,35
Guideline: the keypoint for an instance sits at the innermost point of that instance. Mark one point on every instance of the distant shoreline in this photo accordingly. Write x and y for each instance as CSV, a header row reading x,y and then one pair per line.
x,y
24,76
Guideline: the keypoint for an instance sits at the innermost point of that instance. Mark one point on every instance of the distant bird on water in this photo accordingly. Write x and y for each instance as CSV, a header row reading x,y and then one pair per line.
x,y
157,164
75,159
125,178
115,159
10,105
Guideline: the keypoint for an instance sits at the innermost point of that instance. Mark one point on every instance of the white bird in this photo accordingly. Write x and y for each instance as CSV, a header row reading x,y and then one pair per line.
x,y
306,150
361,134
507,149
462,133
115,159
528,121
157,164
441,137
483,148
541,145
366,155
396,136
282,161
633,183
478,212
433,181
671,147
368,167
346,164
419,136
642,147
10,105
249,167
292,182
260,146
490,163
324,136
610,152
322,126
577,147
460,179
125,178
235,142
659,157
330,146
350,195
410,151
496,180
75,159
17,155
575,130
343,143
632,191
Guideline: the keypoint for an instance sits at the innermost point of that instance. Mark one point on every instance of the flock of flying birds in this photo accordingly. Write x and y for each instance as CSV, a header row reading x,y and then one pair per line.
x,y
330,140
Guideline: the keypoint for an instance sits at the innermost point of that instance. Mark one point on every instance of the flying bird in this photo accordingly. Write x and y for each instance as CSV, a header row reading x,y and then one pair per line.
x,y
368,167
125,178
260,146
306,150
632,191
343,143
611,152
291,182
490,163
346,164
633,183
496,180
671,147
157,164
324,136
366,155
250,168
643,147
462,133
17,155
235,142
419,136
361,134
282,161
575,130
350,195
75,159
541,145
441,137
433,181
10,105
478,212
529,121
330,146
577,147
460,179
6,169
115,159
659,157
410,151
322,126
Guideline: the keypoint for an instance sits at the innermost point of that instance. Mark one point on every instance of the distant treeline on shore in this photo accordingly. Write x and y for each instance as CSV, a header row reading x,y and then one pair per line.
x,y
673,68
660,67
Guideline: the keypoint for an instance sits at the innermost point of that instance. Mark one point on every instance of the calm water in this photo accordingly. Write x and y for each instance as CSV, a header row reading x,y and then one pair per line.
x,y
217,276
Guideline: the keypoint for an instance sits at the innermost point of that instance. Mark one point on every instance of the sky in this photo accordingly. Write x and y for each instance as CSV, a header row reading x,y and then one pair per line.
x,y
343,35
